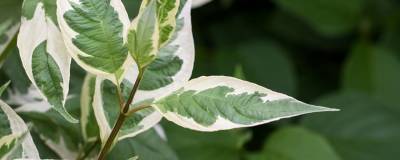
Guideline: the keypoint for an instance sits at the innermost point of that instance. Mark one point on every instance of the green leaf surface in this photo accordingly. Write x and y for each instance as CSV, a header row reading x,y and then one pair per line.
x,y
99,38
364,129
48,78
219,103
159,73
296,143
373,70
330,18
147,146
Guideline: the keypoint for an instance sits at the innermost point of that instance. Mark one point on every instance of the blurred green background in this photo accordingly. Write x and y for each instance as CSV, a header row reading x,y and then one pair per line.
x,y
338,53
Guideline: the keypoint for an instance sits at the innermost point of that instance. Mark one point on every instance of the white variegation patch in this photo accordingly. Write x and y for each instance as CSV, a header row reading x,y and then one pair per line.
x,y
35,31
17,98
68,34
185,52
240,87
39,106
60,148
18,129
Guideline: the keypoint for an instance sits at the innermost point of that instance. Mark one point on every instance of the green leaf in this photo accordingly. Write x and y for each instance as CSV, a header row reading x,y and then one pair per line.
x,y
373,70
44,56
330,18
219,103
147,146
16,141
4,87
296,143
143,37
188,144
94,32
365,129
107,108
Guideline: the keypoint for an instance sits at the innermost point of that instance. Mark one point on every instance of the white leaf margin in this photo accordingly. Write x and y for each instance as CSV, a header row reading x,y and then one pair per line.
x,y
68,34
240,86
18,127
34,32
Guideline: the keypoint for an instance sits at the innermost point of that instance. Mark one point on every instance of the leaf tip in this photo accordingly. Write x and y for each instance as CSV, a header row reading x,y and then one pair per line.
x,y
4,87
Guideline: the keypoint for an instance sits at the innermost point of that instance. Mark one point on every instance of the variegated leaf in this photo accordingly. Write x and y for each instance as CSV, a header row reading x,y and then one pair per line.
x,y
143,37
174,63
107,108
90,129
152,29
94,32
60,137
166,16
16,141
220,103
44,55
